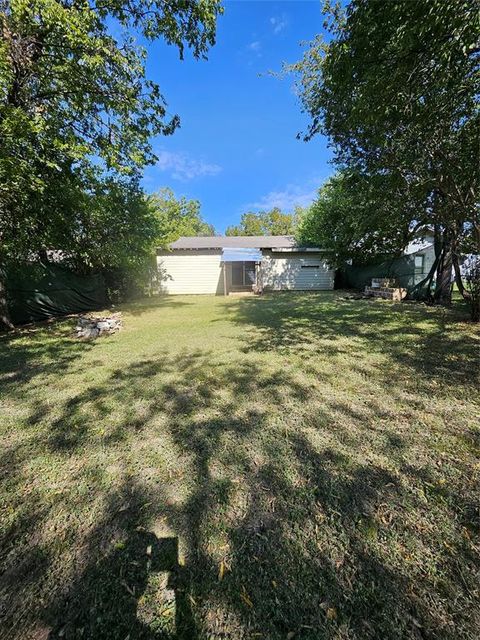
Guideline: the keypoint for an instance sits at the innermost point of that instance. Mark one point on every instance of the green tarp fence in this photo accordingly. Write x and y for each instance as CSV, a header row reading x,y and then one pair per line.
x,y
38,292
402,269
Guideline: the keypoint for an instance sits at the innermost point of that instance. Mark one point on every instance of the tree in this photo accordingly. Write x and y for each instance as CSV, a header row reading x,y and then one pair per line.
x,y
75,97
350,220
115,233
177,217
269,223
395,90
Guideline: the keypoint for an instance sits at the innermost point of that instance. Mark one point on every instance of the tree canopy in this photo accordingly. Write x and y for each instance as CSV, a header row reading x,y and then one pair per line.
x,y
269,223
396,91
351,220
177,217
77,112
70,89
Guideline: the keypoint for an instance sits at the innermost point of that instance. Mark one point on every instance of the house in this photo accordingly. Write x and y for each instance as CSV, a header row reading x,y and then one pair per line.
x,y
422,251
227,264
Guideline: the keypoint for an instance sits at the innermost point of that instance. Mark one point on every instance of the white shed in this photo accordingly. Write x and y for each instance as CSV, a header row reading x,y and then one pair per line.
x,y
225,264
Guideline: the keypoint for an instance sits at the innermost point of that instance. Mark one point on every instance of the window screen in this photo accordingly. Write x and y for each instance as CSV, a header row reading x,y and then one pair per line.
x,y
419,263
237,273
243,273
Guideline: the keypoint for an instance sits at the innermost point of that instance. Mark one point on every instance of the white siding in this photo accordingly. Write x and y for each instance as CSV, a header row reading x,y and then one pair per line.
x,y
191,271
296,271
200,271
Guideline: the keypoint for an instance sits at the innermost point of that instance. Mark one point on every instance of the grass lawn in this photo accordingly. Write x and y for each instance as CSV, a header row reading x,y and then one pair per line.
x,y
281,467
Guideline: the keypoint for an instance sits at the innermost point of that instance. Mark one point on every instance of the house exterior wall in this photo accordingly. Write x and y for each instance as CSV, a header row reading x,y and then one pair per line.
x,y
200,271
295,271
188,271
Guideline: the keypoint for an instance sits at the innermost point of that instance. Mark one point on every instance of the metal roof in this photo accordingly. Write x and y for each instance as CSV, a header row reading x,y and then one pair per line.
x,y
236,242
419,244
241,254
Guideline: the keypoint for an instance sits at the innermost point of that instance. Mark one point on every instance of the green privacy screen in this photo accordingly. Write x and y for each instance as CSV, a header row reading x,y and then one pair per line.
x,y
402,269
38,292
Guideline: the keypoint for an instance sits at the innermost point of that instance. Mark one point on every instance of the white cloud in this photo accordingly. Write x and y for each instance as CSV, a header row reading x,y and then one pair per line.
x,y
182,167
253,50
291,196
256,45
279,23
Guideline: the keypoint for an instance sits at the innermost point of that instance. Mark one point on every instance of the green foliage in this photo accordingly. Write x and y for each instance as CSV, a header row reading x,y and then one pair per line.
x,y
266,223
71,92
77,113
355,217
120,228
70,89
107,225
177,217
396,90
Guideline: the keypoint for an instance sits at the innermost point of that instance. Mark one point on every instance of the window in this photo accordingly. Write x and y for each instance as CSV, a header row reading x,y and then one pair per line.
x,y
419,263
243,274
249,272
237,273
310,266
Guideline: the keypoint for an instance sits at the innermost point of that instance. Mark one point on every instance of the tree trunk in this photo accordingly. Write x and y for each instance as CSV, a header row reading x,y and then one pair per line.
x,y
458,277
5,322
443,284
475,308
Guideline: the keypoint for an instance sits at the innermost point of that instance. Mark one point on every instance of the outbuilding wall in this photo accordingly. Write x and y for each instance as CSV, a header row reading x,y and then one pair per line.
x,y
401,268
187,271
200,271
297,271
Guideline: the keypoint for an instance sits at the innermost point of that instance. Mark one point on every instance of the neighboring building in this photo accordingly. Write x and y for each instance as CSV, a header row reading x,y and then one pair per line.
x,y
422,251
408,269
225,264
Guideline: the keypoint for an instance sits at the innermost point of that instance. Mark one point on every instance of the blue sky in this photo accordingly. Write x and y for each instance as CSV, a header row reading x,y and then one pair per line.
x,y
236,149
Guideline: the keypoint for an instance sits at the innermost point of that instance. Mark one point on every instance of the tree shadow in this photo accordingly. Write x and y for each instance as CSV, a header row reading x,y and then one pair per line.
x,y
426,342
31,352
147,305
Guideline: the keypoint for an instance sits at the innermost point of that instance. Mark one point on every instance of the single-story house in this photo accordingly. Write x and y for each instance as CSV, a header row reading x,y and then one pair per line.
x,y
226,264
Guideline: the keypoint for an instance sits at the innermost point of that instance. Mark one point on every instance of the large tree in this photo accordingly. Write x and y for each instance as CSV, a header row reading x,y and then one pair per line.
x,y
74,96
395,89
266,223
355,217
177,217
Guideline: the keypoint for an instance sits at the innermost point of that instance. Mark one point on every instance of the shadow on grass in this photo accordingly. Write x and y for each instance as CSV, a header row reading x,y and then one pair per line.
x,y
286,526
35,350
427,342
115,596
147,305
50,347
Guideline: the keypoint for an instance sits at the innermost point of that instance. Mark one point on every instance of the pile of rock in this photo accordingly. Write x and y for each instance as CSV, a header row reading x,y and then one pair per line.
x,y
92,327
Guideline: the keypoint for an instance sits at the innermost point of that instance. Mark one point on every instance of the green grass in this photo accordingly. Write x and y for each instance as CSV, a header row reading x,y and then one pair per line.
x,y
289,466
